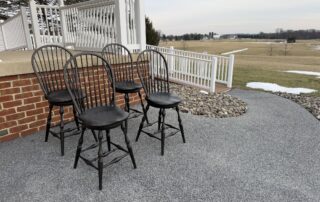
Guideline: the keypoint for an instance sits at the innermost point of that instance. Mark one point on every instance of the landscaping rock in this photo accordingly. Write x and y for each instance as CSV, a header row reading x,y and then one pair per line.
x,y
310,102
218,105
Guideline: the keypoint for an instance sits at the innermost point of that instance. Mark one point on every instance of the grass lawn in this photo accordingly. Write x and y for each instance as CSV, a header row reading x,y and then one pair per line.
x,y
265,62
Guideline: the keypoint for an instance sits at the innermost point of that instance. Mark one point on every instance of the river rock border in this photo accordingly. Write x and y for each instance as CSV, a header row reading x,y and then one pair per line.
x,y
217,105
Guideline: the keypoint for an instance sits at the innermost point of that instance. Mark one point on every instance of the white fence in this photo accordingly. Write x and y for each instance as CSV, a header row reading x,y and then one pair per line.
x,y
14,32
46,24
87,25
90,25
198,69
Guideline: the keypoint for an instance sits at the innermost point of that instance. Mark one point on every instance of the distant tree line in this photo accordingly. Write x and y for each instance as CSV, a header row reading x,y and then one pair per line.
x,y
279,34
284,34
188,37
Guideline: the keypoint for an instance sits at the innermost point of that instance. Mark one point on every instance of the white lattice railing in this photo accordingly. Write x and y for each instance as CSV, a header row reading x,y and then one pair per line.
x,y
96,26
15,33
46,24
88,25
198,69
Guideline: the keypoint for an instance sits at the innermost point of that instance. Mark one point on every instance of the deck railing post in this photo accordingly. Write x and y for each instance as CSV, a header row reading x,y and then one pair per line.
x,y
230,71
26,27
171,60
140,23
35,23
120,14
4,38
213,74
63,22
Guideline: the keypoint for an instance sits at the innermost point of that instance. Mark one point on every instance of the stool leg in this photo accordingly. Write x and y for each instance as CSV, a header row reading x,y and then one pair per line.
x,y
163,131
100,159
143,109
141,124
124,128
79,148
48,122
75,117
127,102
61,130
180,125
159,119
108,139
94,135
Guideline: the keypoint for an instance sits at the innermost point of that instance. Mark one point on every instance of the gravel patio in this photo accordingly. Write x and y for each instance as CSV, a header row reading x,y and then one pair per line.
x,y
271,153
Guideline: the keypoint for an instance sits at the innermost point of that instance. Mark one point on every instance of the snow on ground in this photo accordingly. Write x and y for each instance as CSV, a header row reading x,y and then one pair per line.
x,y
317,48
310,73
277,88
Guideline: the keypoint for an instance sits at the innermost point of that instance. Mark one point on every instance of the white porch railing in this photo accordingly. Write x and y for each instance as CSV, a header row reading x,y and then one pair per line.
x,y
198,69
88,25
46,24
14,32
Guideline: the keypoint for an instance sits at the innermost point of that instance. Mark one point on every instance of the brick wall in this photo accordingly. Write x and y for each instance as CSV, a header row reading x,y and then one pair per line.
x,y
24,110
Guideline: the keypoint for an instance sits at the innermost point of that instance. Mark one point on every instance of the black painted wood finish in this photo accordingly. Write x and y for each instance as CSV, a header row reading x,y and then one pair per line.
x,y
155,81
48,62
96,109
120,59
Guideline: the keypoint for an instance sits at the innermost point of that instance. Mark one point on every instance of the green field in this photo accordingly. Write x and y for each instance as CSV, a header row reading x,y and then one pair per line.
x,y
265,62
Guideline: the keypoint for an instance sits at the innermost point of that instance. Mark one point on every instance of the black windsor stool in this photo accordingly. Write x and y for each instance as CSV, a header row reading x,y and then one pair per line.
x,y
155,81
92,75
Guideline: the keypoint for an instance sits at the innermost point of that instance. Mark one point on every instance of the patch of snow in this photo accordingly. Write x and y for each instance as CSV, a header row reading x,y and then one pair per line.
x,y
273,87
317,48
204,92
310,73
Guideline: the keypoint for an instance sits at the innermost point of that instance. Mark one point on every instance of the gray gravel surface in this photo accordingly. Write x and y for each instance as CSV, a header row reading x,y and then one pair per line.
x,y
271,153
310,102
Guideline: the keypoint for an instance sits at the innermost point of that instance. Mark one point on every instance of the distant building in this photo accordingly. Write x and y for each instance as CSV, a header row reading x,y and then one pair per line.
x,y
229,36
216,36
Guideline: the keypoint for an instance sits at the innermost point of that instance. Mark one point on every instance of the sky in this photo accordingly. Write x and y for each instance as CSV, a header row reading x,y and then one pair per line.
x,y
232,16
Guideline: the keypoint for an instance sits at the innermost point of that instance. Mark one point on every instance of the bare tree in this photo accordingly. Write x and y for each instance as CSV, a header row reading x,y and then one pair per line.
x,y
270,51
286,49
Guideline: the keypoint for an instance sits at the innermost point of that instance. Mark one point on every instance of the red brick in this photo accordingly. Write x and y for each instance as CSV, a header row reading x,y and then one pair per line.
x,y
34,112
23,95
24,82
56,119
42,104
8,124
42,116
26,76
34,81
9,91
12,104
27,120
31,100
30,88
2,119
37,124
25,108
5,85
6,98
8,78
9,137
15,116
38,93
18,128
6,112
28,132
42,128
